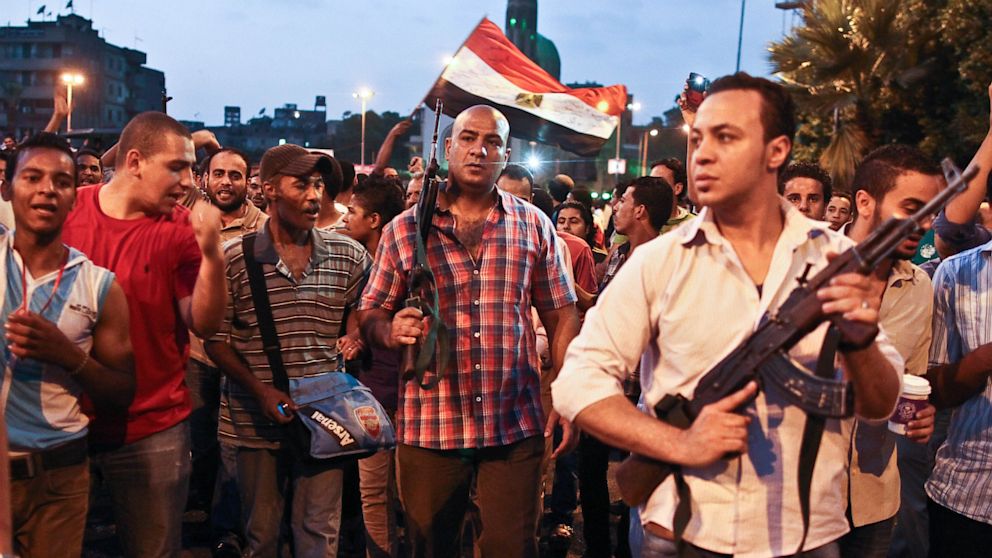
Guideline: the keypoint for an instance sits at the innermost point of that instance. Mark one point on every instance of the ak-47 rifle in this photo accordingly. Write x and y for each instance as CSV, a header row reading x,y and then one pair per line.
x,y
763,356
421,286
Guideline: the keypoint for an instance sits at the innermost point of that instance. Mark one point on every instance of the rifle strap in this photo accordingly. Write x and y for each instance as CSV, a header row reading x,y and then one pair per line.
x,y
808,450
683,511
436,340
263,312
813,432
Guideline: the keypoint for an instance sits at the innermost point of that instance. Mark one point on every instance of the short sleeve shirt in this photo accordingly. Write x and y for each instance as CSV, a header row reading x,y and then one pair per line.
x,y
307,313
156,261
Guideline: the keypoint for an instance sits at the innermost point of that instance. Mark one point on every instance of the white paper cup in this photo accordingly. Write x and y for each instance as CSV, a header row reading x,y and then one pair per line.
x,y
913,399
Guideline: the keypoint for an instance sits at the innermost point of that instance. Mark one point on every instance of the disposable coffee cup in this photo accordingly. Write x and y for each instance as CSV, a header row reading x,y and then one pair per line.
x,y
915,393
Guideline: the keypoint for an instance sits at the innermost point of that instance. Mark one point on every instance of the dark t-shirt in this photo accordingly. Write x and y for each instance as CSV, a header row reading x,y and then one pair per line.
x,y
383,377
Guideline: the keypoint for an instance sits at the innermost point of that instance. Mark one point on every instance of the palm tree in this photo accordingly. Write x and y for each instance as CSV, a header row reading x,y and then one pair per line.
x,y
844,62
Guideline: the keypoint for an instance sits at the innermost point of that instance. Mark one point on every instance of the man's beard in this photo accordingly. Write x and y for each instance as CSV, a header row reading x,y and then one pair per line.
x,y
233,205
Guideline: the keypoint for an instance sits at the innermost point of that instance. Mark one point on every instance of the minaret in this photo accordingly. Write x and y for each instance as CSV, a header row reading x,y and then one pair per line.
x,y
521,25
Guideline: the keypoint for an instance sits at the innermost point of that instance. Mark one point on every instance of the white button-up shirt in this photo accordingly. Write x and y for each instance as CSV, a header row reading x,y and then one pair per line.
x,y
681,303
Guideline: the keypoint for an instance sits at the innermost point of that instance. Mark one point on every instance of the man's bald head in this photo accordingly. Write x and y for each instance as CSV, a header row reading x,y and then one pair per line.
x,y
477,150
483,111
146,133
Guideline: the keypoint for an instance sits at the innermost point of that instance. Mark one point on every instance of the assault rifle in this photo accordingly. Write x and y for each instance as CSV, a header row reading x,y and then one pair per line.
x,y
763,356
421,287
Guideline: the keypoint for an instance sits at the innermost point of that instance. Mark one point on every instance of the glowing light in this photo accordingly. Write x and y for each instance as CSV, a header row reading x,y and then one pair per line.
x,y
594,195
607,195
653,133
533,162
685,128
70,78
448,59
363,93
635,106
603,106
296,114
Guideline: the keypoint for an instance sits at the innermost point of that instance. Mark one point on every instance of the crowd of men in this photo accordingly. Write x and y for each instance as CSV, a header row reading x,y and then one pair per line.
x,y
134,359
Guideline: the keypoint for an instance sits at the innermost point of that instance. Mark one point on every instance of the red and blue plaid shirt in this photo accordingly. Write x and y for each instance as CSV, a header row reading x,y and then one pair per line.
x,y
490,395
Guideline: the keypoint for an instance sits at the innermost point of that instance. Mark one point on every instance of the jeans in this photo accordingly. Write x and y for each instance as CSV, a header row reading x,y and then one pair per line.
x,y
653,546
911,537
594,496
225,515
204,388
148,482
265,477
49,507
434,488
953,535
377,482
868,541
563,500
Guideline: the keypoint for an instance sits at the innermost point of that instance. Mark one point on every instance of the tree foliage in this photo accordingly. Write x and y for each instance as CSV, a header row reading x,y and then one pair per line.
x,y
871,72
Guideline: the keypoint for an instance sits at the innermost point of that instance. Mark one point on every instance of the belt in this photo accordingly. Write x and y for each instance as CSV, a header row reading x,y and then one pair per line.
x,y
66,455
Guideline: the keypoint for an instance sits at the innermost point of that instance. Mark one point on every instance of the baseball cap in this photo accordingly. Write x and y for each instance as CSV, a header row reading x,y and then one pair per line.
x,y
292,160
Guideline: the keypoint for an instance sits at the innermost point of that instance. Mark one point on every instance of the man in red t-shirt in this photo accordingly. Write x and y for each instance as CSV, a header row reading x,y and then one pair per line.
x,y
135,226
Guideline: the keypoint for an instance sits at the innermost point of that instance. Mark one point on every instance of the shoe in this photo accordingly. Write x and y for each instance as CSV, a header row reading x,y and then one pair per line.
x,y
227,549
561,537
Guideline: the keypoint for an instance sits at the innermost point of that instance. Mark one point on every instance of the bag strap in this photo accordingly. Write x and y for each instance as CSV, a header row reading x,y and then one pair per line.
x,y
263,311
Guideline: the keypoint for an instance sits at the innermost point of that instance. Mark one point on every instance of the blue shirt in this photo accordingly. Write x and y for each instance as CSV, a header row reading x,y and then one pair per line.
x,y
962,321
41,400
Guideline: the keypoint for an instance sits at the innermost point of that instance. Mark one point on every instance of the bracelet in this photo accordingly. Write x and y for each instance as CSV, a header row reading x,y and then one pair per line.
x,y
82,365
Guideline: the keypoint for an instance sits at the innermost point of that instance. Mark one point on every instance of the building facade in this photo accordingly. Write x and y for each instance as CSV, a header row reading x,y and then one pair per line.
x,y
116,84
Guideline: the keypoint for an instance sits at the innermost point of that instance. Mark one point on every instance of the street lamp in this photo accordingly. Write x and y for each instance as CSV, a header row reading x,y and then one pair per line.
x,y
364,94
70,79
644,148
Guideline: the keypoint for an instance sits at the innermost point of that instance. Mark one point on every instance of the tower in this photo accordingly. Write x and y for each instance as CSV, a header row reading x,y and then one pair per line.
x,y
521,25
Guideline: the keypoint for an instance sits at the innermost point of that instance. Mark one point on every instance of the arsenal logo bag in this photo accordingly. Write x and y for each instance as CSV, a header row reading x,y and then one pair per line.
x,y
337,416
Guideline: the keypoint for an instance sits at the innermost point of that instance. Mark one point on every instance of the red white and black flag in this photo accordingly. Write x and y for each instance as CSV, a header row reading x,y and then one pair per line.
x,y
488,69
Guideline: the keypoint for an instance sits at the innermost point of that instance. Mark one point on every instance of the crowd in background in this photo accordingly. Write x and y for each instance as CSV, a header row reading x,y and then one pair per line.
x,y
134,361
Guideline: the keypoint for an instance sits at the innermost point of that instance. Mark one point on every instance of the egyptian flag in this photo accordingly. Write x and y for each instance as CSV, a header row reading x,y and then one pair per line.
x,y
488,69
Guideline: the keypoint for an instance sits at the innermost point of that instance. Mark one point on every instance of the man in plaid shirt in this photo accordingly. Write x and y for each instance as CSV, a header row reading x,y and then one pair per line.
x,y
494,256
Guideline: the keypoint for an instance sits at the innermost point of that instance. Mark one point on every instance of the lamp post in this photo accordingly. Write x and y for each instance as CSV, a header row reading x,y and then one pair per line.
x,y
70,79
644,148
364,94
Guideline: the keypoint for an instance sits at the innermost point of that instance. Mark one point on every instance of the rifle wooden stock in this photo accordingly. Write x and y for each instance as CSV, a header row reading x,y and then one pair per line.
x,y
408,360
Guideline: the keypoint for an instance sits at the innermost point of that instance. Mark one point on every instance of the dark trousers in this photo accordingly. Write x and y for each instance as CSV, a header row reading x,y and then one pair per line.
x,y
563,499
434,490
204,388
953,535
594,496
594,491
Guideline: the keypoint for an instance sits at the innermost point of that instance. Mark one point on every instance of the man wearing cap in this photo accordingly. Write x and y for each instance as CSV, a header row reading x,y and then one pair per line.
x,y
311,277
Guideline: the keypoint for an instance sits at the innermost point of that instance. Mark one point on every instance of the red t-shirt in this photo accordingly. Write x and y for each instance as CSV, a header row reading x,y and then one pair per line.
x,y
156,260
583,264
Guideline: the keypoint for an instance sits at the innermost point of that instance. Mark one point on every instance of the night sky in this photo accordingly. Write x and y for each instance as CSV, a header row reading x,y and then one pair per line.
x,y
257,53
